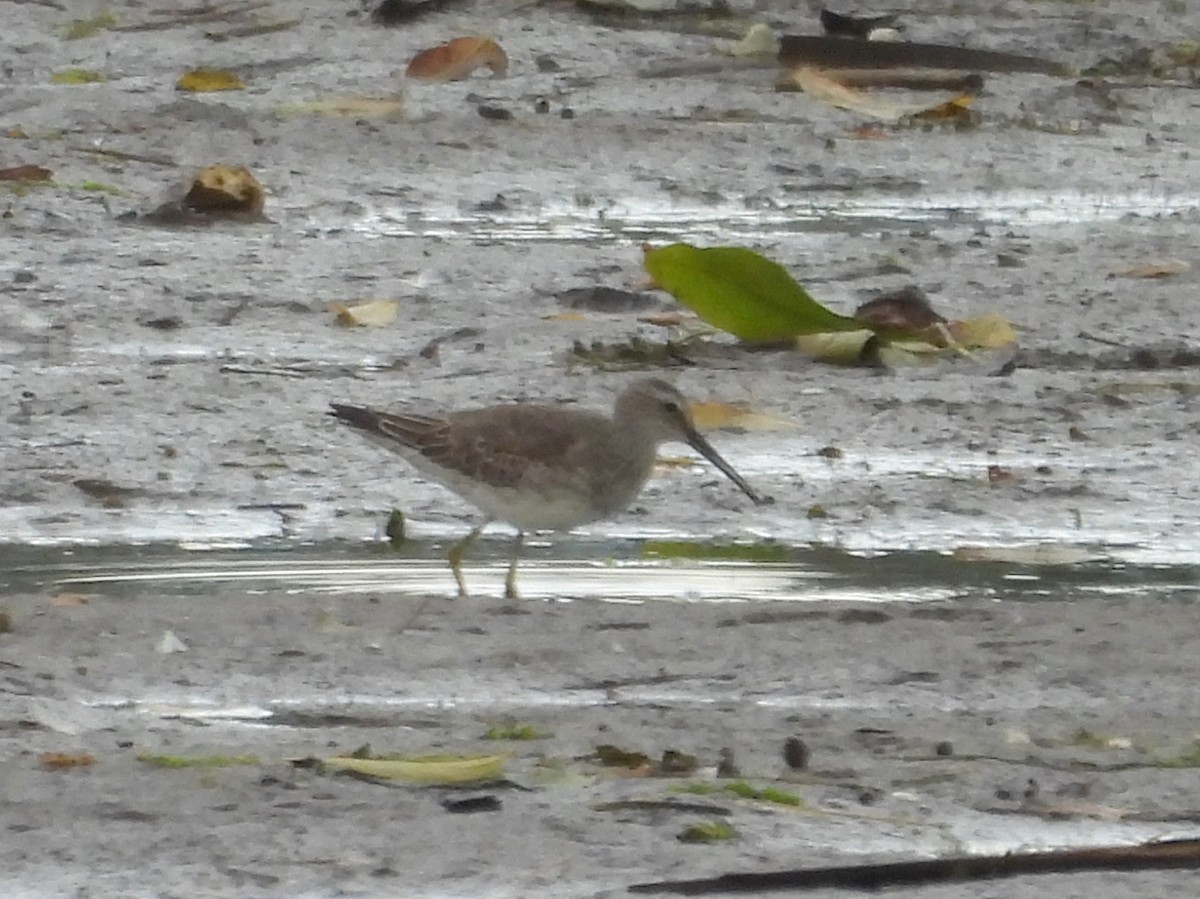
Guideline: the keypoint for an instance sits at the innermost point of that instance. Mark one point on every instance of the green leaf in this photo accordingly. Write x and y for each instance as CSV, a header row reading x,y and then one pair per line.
x,y
742,292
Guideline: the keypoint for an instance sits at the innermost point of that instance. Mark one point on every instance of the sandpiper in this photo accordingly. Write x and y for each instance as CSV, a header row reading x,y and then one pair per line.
x,y
541,467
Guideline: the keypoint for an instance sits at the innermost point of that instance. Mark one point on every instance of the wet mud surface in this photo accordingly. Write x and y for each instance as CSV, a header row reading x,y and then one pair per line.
x,y
169,387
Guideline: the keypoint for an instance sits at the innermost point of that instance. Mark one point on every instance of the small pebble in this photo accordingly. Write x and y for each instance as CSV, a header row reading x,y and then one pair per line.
x,y
474,804
498,113
567,113
795,753
944,748
726,766
542,106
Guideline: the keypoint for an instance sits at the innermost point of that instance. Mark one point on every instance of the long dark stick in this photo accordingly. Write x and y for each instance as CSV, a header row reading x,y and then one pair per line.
x,y
1167,854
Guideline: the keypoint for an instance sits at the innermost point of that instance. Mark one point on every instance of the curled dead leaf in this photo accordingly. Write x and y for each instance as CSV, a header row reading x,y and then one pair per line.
x,y
457,59
226,189
372,314
904,310
209,80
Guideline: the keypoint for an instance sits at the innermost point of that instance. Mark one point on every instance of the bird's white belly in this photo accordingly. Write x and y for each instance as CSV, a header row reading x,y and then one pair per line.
x,y
530,510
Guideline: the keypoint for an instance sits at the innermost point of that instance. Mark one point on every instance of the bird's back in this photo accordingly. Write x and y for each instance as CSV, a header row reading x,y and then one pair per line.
x,y
538,467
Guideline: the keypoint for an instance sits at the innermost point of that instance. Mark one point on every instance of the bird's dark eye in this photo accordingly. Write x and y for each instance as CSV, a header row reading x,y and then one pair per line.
x,y
671,406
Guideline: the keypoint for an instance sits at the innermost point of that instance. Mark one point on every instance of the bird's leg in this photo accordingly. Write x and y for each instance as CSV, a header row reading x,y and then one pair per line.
x,y
510,582
456,557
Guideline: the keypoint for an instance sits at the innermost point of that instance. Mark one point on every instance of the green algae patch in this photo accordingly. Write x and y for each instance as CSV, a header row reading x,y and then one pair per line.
x,y
744,790
76,76
77,29
514,731
196,761
708,832
722,552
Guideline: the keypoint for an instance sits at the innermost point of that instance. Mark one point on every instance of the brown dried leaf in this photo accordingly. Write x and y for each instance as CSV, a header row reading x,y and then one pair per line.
x,y
457,59
56,761
26,173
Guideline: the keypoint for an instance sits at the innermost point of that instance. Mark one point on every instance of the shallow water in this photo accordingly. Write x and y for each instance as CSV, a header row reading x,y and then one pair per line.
x,y
737,219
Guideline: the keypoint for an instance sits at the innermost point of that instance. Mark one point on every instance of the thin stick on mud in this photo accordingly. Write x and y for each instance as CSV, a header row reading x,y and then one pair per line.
x,y
1146,856
205,14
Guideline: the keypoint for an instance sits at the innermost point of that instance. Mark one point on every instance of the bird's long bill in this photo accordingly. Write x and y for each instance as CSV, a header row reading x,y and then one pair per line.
x,y
697,442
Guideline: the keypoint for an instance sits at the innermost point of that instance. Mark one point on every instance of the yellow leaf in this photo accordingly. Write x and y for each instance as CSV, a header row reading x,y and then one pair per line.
x,y
988,332
426,769
725,416
76,76
843,346
373,314
207,80
349,107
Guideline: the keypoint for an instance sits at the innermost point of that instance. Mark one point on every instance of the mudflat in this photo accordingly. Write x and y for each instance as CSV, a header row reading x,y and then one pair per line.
x,y
973,663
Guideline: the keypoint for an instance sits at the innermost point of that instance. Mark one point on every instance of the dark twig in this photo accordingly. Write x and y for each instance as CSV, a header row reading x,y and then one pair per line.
x,y
1147,856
